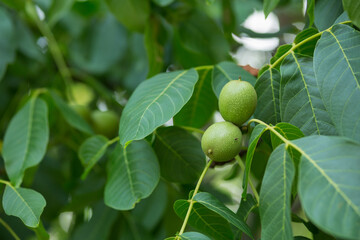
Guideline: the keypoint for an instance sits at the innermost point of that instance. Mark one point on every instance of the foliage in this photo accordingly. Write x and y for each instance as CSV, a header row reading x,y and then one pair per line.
x,y
160,65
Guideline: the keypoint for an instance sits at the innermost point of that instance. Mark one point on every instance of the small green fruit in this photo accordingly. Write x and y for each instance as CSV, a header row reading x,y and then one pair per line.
x,y
82,94
237,101
105,123
221,141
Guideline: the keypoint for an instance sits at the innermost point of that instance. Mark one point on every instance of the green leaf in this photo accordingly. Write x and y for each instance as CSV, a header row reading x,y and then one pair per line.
x,y
100,47
90,152
283,49
301,103
275,196
149,212
193,236
57,10
154,102
326,12
99,226
180,156
202,104
7,41
224,72
288,131
15,4
255,136
270,5
133,174
309,47
210,202
205,220
352,7
26,139
71,117
246,206
329,177
310,11
163,3
154,43
267,89
337,71
132,13
25,204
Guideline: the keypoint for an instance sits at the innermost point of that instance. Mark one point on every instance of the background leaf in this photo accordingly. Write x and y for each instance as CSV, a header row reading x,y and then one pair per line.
x,y
7,41
209,201
132,13
352,7
275,196
301,103
71,117
24,203
155,102
270,5
202,104
133,174
326,12
90,152
330,172
309,47
99,226
267,89
26,139
205,220
58,9
193,236
224,72
180,156
338,78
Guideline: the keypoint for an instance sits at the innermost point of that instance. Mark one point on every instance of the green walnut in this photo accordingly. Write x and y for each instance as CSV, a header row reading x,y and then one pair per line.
x,y
221,142
237,101
105,123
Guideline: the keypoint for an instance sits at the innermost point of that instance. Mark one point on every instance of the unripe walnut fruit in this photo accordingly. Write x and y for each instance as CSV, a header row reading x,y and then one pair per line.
x,y
237,101
105,123
221,142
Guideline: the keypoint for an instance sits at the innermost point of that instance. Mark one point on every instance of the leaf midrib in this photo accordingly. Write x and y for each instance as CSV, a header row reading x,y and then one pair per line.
x,y
126,161
155,99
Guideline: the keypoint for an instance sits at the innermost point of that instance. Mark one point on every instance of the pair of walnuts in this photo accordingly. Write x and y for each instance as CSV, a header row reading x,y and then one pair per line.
x,y
237,102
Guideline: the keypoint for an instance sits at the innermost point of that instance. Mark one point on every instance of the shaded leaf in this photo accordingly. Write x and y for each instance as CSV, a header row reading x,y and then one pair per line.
x,y
275,196
224,72
283,49
202,104
163,3
353,7
99,226
270,5
309,47
90,152
329,173
57,10
310,11
70,116
267,89
326,12
205,220
209,201
154,102
25,204
180,156
26,139
246,206
301,103
132,13
255,136
337,71
7,40
133,174
193,236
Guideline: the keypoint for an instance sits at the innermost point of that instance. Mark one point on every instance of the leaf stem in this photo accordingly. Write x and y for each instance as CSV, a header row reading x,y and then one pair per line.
x,y
113,140
11,231
192,200
295,46
53,46
242,166
203,67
